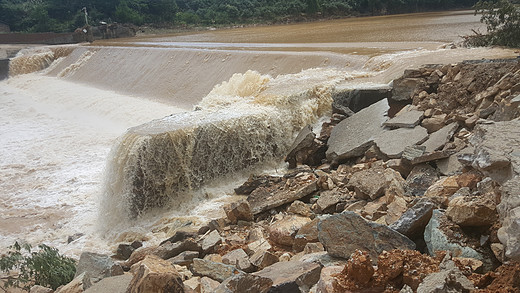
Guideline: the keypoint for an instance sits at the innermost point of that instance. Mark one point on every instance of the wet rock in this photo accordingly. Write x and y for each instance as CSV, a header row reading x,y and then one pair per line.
x,y
419,179
291,276
79,284
392,144
238,211
124,251
154,274
262,259
300,208
440,137
415,219
263,199
342,234
256,181
75,237
97,266
359,98
239,259
449,279
308,233
165,251
305,149
408,117
215,270
284,230
184,258
329,199
479,210
346,141
327,279
246,283
210,241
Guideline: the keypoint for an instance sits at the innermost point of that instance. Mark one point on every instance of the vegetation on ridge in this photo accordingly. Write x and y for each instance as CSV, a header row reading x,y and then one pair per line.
x,y
62,16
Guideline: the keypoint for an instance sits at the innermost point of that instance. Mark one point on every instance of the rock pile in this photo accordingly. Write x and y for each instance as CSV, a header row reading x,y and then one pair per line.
x,y
425,201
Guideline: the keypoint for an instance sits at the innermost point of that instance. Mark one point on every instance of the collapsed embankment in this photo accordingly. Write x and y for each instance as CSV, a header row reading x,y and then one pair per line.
x,y
421,201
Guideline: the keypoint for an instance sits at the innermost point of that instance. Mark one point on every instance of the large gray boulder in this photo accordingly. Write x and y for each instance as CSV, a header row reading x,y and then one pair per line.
x,y
392,143
354,135
97,266
342,234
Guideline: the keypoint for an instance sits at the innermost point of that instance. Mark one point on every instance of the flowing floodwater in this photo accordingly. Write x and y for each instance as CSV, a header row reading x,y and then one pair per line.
x,y
70,111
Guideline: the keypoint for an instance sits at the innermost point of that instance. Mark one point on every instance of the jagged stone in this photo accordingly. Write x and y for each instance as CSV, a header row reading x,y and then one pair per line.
x,y
327,279
116,284
239,259
400,165
437,239
308,233
404,88
284,230
329,199
342,234
415,219
419,179
433,156
449,279
392,144
346,141
440,137
256,181
412,152
208,285
184,258
509,234
165,251
238,211
40,289
262,259
291,276
79,284
246,283
449,166
210,241
406,118
395,209
305,149
300,208
258,245
154,274
375,182
215,270
478,210
97,266
434,123
359,98
263,199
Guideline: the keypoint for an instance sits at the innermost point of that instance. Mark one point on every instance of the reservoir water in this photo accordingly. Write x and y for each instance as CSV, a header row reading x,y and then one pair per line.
x,y
64,145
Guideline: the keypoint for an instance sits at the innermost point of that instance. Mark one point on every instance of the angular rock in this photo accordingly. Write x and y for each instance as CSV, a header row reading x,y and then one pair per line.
x,y
437,239
473,211
404,88
300,208
256,181
40,289
400,165
442,189
329,199
258,245
116,284
208,285
392,144
263,199
79,284
405,119
165,251
262,259
308,233
154,274
238,211
246,283
374,182
419,179
347,141
509,234
284,230
440,137
184,258
291,276
412,152
305,149
415,219
449,279
449,166
97,266
215,270
327,279
239,259
434,123
359,98
210,241
342,234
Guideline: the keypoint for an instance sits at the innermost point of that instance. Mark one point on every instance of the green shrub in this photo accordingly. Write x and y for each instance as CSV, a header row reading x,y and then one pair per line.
x,y
45,267
502,19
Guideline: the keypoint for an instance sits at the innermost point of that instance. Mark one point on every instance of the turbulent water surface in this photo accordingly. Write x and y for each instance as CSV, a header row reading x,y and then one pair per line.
x,y
64,109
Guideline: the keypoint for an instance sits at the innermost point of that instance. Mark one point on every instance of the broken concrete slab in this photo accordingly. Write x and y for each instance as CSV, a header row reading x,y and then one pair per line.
x,y
347,141
440,137
405,119
392,143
